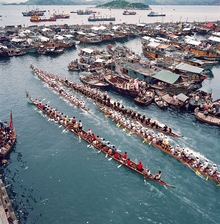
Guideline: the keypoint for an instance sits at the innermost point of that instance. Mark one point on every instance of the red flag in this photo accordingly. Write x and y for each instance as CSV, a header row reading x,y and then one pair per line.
x,y
11,122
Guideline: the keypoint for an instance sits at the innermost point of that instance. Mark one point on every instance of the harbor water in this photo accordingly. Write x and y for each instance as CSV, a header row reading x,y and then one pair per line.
x,y
52,176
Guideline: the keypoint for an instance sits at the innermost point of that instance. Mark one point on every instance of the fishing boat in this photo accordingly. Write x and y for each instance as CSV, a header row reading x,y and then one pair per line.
x,y
83,12
94,81
74,66
174,101
121,85
207,118
61,15
100,147
126,13
10,133
162,104
37,19
34,12
146,98
95,18
210,115
155,14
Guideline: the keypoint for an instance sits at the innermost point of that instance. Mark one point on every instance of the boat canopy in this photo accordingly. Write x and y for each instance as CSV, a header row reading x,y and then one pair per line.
x,y
166,76
182,97
215,39
153,44
88,50
206,89
189,68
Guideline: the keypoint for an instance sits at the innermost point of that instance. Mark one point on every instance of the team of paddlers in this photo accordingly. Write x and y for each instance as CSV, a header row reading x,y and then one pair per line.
x,y
135,121
76,126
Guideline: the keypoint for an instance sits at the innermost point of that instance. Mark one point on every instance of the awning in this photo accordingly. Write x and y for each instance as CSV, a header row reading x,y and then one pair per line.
x,y
189,68
166,76
206,89
87,50
215,39
182,97
153,44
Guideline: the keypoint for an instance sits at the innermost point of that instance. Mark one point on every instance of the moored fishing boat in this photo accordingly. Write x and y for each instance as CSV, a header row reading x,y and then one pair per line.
x,y
95,81
100,146
7,137
146,98
162,104
121,85
209,114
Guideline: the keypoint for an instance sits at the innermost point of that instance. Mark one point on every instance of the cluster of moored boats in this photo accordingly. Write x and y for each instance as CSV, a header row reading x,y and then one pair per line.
x,y
135,123
123,71
175,83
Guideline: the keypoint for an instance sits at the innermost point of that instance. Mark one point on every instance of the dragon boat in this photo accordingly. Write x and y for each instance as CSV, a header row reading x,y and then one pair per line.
x,y
100,147
49,79
184,156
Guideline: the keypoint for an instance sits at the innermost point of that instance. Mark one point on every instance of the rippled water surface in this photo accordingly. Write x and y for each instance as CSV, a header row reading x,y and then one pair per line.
x,y
54,177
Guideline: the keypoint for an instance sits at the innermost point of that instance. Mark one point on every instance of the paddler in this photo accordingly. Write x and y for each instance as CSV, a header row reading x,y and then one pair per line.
x,y
140,166
158,175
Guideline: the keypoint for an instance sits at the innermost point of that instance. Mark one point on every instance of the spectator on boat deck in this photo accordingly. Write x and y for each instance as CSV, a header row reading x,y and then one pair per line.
x,y
158,175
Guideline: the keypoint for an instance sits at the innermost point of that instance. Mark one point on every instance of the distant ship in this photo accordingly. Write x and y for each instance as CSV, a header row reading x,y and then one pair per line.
x,y
100,18
126,12
33,12
61,15
84,12
36,19
154,14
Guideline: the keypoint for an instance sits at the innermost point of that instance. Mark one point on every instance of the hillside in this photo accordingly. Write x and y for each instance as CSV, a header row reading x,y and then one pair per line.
x,y
104,2
121,4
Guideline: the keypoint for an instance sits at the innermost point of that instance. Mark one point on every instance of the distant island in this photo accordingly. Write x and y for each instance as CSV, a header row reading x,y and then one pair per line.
x,y
116,3
121,4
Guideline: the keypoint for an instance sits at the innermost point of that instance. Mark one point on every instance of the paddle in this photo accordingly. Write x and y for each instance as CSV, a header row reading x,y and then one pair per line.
x,y
110,159
120,165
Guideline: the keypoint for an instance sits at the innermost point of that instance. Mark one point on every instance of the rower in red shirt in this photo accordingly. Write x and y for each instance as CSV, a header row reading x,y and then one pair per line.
x,y
116,155
124,156
140,166
128,162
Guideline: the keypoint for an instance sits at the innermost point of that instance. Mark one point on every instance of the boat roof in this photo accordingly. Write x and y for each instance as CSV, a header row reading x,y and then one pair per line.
x,y
87,50
189,68
166,76
206,89
214,38
182,97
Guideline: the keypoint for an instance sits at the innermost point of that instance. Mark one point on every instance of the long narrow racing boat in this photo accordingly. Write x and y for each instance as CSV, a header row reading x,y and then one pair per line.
x,y
159,141
86,136
54,85
98,96
9,140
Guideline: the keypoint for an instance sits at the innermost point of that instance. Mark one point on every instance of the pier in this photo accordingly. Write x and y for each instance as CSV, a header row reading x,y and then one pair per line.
x,y
7,215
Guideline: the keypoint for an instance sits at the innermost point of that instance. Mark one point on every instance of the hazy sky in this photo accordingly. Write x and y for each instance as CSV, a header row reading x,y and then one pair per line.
x,y
13,1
